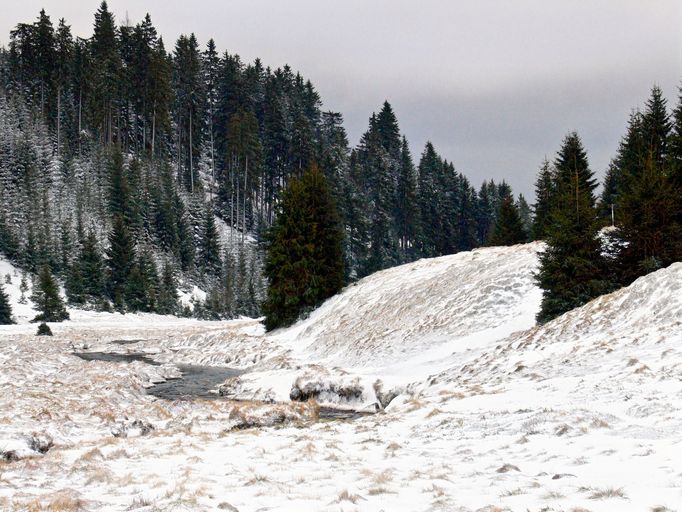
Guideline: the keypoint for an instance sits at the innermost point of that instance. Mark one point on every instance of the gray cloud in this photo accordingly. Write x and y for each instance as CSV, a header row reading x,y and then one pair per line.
x,y
494,84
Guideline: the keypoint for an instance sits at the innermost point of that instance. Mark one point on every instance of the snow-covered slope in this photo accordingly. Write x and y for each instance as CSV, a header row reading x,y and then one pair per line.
x,y
399,326
494,413
395,315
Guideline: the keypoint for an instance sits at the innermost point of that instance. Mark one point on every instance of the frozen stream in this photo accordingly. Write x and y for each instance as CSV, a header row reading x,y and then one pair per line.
x,y
197,381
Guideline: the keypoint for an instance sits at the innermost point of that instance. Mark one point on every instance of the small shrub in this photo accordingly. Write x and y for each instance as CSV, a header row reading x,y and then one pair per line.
x,y
44,330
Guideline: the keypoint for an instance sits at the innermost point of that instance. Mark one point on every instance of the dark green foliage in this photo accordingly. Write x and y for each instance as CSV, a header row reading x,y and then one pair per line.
x,y
609,194
120,261
406,207
304,263
44,330
167,299
526,216
544,199
105,75
142,287
85,280
647,222
675,168
508,228
209,250
649,197
46,298
5,308
572,268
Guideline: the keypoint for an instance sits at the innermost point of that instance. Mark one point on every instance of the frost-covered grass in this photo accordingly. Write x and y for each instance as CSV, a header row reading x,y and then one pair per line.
x,y
492,413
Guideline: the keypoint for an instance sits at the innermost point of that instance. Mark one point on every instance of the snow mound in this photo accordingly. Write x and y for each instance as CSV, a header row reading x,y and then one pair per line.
x,y
396,314
367,344
635,329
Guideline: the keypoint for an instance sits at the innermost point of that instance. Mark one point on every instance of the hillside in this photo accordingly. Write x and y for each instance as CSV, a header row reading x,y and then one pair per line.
x,y
492,412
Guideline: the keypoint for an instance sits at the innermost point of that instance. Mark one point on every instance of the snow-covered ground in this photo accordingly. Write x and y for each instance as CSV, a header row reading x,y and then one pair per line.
x,y
488,412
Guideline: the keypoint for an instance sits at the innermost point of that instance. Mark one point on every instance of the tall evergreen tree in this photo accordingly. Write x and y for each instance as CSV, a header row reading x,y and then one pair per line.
x,y
649,225
167,300
106,71
526,216
407,210
5,308
209,250
304,263
120,261
544,200
508,228
47,300
572,268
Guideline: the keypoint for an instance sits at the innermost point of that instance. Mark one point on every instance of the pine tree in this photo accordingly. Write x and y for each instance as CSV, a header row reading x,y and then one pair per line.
x,y
675,169
304,263
609,194
120,260
167,300
90,267
525,215
407,210
508,228
105,73
209,249
648,202
47,300
429,211
5,308
142,286
544,200
572,268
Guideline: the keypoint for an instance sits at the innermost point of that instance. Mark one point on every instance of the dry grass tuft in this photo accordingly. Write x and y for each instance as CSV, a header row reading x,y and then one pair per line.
x,y
512,492
91,455
434,412
64,501
346,496
375,491
606,493
553,495
436,490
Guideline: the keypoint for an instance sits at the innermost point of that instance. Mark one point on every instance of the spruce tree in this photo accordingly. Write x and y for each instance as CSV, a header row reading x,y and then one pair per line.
x,y
167,300
120,260
675,168
105,74
572,268
648,199
544,200
5,308
90,267
508,228
525,215
209,249
46,298
304,262
407,209
142,286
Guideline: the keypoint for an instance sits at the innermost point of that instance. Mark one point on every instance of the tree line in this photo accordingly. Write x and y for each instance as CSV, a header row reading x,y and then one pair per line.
x,y
127,169
641,197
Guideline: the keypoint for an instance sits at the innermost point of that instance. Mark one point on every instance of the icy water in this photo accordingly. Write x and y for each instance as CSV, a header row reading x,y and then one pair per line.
x,y
197,381
116,358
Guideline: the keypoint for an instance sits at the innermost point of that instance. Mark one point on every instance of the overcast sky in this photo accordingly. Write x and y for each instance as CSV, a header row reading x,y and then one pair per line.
x,y
494,84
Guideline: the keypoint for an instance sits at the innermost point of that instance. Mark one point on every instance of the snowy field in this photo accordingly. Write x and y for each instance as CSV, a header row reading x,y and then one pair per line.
x,y
476,408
